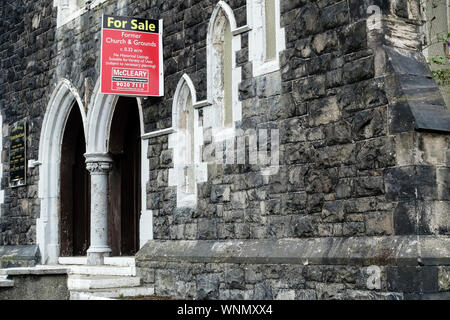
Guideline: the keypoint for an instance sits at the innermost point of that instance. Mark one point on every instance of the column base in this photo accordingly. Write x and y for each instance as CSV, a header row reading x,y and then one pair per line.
x,y
96,256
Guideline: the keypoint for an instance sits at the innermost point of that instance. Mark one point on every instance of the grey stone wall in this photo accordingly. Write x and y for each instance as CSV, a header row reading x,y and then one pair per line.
x,y
35,56
27,52
36,287
364,144
342,153
19,256
363,268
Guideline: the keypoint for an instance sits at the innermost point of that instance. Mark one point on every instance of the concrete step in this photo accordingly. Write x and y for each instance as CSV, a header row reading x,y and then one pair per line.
x,y
5,282
37,270
72,260
74,295
102,270
120,261
86,282
112,293
110,261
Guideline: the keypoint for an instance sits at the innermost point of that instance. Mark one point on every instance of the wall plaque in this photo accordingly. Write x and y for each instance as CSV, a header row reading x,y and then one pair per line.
x,y
17,154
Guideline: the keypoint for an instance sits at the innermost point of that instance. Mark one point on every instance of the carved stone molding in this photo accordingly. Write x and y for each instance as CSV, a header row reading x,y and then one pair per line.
x,y
98,163
99,167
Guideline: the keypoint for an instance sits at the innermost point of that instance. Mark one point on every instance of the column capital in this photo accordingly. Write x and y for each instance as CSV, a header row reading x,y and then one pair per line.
x,y
98,163
99,167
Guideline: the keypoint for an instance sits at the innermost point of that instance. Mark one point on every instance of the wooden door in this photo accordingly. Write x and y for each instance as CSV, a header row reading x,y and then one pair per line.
x,y
125,179
74,213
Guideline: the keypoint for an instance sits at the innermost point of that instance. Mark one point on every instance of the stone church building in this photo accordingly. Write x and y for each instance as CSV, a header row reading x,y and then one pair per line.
x,y
300,150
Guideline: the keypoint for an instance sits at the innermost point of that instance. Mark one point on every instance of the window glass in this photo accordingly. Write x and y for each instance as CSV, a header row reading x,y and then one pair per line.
x,y
270,30
228,77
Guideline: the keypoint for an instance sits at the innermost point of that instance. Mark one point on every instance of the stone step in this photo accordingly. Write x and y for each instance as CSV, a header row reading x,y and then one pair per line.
x,y
37,270
85,282
74,295
112,293
120,261
72,260
102,270
5,282
110,261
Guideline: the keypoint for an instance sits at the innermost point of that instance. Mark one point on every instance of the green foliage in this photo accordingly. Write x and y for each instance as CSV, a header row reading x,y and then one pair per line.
x,y
440,64
443,37
442,76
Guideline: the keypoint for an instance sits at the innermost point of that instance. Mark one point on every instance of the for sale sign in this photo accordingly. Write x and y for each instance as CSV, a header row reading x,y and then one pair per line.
x,y
132,56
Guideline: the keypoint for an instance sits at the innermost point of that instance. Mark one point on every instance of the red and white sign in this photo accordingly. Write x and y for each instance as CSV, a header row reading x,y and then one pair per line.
x,y
132,62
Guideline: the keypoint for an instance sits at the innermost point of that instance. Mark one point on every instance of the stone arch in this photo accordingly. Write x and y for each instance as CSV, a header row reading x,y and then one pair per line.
x,y
184,83
221,18
99,121
99,118
64,97
188,167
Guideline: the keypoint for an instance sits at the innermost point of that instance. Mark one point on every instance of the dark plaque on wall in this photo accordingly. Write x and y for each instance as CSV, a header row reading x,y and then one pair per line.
x,y
17,154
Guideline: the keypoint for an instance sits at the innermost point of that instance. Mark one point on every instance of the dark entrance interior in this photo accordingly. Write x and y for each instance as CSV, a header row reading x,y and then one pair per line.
x,y
125,179
74,189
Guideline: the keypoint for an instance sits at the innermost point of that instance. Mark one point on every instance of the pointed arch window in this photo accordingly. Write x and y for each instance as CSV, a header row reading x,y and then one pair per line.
x,y
185,142
186,130
223,77
221,63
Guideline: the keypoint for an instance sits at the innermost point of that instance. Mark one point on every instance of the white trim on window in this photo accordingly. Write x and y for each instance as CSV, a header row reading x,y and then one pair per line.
x,y
257,37
184,99
213,113
69,10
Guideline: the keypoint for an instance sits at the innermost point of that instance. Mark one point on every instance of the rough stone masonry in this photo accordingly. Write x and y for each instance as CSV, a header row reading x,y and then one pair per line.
x,y
360,206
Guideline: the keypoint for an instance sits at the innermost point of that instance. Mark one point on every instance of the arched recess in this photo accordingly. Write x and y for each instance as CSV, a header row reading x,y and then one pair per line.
x,y
64,97
99,120
223,76
74,196
186,141
125,182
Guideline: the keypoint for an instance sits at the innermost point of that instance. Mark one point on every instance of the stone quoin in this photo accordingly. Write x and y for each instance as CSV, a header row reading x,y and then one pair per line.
x,y
300,150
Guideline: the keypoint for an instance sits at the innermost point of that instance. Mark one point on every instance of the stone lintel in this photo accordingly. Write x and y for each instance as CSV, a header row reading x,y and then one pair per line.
x,y
362,251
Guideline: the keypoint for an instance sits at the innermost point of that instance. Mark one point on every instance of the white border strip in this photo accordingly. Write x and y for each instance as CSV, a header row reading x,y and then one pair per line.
x,y
241,30
201,104
158,133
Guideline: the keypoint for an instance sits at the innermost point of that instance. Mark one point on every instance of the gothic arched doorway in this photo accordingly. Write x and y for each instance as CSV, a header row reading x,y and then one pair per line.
x,y
125,178
74,226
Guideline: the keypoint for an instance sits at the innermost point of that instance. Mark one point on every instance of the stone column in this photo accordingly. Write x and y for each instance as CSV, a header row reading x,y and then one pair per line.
x,y
99,166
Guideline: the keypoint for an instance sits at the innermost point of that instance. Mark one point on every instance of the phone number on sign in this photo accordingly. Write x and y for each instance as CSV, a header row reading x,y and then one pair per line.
x,y
130,85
